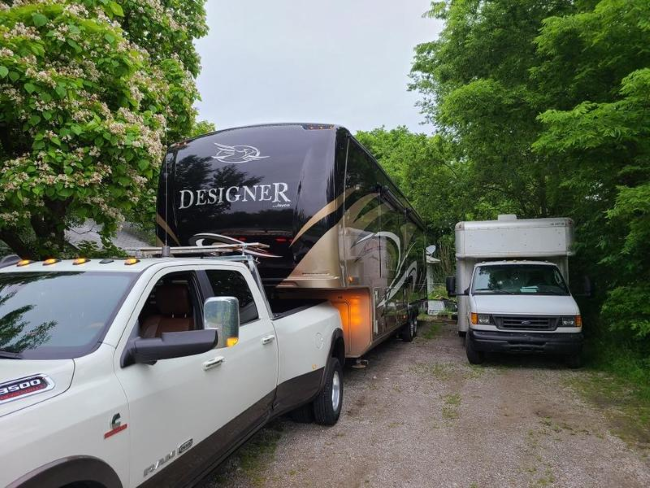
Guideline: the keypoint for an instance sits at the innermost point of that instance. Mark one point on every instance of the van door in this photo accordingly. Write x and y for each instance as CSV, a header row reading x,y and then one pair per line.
x,y
187,412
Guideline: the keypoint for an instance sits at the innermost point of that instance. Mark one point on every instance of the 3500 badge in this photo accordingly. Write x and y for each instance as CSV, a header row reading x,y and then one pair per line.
x,y
22,387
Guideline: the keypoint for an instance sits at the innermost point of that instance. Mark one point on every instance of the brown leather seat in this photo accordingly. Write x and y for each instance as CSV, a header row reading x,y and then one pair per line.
x,y
175,312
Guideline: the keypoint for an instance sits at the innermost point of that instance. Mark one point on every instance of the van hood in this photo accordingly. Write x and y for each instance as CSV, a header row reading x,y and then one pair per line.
x,y
26,382
525,304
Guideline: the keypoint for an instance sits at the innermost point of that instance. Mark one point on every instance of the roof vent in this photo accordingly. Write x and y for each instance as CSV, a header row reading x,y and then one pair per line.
x,y
507,217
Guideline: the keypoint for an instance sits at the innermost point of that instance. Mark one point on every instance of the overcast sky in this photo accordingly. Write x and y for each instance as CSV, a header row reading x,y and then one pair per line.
x,y
337,61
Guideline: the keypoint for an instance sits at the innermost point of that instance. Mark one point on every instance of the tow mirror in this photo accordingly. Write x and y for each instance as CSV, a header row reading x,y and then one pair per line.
x,y
170,345
222,314
450,284
431,249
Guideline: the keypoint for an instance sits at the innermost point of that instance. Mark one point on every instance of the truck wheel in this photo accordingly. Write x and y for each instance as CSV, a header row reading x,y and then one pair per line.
x,y
410,330
574,361
473,356
328,403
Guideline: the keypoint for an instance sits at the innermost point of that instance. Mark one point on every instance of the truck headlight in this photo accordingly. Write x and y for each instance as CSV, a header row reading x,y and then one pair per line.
x,y
481,318
573,321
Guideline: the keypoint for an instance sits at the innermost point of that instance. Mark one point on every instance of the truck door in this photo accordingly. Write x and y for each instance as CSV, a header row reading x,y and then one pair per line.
x,y
188,411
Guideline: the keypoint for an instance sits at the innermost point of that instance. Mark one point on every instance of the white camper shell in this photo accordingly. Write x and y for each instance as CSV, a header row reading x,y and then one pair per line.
x,y
537,246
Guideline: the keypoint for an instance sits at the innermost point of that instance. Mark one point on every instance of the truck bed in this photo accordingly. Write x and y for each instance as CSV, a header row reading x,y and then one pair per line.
x,y
283,307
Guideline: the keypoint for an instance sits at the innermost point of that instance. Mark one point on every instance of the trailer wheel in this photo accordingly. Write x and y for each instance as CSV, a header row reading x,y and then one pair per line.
x,y
410,330
473,356
327,405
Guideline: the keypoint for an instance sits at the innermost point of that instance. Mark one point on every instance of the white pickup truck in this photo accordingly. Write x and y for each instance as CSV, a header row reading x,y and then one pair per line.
x,y
150,372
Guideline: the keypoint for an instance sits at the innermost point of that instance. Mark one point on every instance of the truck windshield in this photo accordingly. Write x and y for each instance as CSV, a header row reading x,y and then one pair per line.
x,y
56,315
518,279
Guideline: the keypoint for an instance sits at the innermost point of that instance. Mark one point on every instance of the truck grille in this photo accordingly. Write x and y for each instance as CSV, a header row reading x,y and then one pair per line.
x,y
507,322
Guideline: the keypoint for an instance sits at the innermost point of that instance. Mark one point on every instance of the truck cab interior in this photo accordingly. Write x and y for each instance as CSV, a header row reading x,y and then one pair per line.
x,y
172,306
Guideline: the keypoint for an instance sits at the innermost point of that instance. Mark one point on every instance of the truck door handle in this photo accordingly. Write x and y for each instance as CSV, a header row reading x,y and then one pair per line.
x,y
213,363
268,339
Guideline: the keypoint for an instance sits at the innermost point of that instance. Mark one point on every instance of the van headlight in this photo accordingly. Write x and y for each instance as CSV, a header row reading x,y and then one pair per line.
x,y
572,321
481,319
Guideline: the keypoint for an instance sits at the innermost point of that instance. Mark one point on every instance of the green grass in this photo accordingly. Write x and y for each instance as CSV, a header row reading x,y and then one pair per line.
x,y
450,409
626,362
254,456
431,331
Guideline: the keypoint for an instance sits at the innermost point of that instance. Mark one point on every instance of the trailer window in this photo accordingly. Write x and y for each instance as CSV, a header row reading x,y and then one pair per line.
x,y
519,279
233,284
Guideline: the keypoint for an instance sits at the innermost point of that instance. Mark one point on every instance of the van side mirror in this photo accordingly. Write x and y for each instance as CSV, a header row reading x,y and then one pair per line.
x,y
222,314
430,250
587,288
450,284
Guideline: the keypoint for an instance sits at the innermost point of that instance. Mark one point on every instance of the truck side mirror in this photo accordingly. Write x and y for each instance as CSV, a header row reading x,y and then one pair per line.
x,y
430,250
450,284
170,345
222,315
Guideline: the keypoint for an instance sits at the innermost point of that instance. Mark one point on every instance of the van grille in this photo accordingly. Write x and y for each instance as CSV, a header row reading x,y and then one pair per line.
x,y
525,323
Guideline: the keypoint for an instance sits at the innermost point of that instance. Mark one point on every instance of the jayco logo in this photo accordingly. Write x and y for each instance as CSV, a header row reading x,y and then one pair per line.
x,y
275,193
237,154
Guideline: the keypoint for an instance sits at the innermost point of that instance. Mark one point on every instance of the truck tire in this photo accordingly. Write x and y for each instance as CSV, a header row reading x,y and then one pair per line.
x,y
410,330
327,405
473,356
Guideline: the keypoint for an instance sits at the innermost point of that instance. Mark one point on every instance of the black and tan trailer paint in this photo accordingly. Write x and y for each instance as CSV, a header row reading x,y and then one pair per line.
x,y
343,230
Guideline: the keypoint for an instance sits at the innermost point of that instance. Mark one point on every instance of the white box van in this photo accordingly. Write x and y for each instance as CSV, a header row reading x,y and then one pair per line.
x,y
512,286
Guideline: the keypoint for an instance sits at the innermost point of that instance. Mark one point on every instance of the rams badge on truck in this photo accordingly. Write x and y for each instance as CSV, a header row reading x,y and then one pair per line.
x,y
24,387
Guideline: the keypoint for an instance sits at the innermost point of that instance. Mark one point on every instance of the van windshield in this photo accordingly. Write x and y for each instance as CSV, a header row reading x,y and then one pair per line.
x,y
518,279
57,315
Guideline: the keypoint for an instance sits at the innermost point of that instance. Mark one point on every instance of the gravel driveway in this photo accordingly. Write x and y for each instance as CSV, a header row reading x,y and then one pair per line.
x,y
420,416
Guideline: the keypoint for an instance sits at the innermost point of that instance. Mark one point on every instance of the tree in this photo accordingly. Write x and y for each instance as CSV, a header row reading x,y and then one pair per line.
x,y
439,185
596,77
202,127
475,84
91,92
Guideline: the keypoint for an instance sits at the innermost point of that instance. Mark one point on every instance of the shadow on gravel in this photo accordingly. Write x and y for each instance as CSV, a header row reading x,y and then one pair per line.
x,y
246,465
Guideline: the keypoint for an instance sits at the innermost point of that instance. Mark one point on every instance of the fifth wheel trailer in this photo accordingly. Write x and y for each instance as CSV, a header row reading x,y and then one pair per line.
x,y
340,229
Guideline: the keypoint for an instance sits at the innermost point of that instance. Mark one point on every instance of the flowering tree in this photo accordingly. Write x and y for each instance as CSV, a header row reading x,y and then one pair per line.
x,y
91,91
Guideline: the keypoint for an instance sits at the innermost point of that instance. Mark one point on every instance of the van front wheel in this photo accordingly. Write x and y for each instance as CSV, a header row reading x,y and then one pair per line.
x,y
473,356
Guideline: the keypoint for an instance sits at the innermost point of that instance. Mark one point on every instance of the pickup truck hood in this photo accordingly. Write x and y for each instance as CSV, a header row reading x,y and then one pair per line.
x,y
26,382
525,304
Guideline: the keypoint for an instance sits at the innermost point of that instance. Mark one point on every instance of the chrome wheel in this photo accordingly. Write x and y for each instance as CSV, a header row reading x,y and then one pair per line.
x,y
336,391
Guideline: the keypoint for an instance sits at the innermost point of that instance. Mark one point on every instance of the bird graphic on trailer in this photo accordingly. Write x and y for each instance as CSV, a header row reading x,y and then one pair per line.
x,y
237,154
